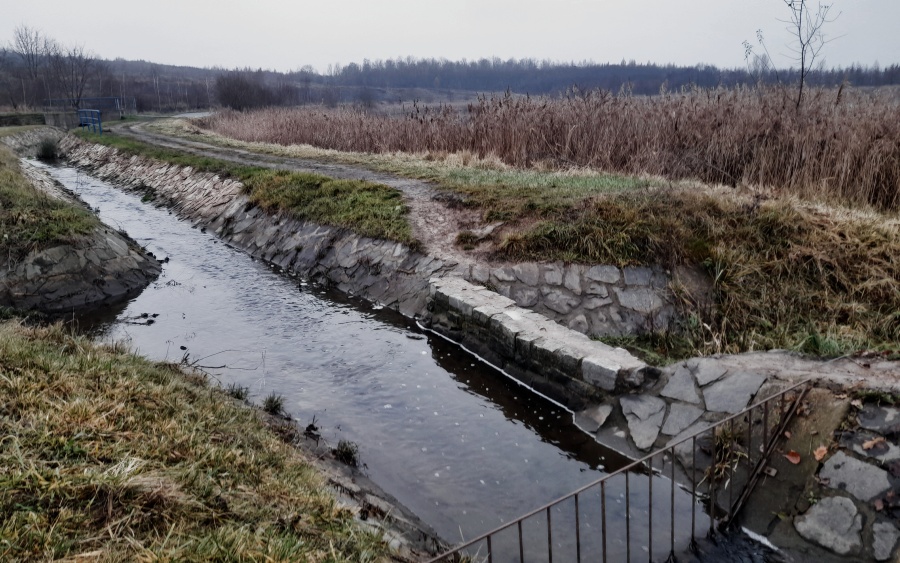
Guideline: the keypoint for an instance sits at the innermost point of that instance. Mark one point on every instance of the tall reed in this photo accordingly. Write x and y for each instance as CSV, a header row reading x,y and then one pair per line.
x,y
843,145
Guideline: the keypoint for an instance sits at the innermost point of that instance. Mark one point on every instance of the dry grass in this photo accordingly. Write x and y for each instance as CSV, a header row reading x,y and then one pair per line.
x,y
784,274
105,456
843,146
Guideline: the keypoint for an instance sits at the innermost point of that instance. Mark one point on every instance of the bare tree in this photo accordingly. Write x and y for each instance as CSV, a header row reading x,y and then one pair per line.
x,y
29,43
808,38
806,27
71,68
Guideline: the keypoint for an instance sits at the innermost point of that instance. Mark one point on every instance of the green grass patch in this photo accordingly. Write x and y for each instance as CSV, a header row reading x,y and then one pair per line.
x,y
366,208
109,456
31,220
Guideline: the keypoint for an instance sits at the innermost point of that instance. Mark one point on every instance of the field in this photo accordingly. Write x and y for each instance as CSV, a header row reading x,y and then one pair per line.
x,y
840,146
792,214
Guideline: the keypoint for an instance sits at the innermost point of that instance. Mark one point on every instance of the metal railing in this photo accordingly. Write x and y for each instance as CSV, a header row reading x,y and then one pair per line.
x,y
90,119
708,474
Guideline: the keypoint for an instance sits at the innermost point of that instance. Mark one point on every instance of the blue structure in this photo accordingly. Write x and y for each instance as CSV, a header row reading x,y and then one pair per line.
x,y
91,119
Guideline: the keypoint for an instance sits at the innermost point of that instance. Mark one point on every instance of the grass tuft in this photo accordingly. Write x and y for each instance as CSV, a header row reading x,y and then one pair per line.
x,y
347,452
274,404
239,392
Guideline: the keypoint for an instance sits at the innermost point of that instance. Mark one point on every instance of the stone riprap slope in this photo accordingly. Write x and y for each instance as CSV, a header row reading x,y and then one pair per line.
x,y
85,272
382,271
94,270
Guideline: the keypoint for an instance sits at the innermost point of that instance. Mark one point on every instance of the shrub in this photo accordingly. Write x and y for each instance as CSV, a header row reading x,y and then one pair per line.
x,y
347,452
48,149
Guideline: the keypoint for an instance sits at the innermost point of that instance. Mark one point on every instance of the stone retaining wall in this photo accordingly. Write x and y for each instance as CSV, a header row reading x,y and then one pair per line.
x,y
563,364
597,300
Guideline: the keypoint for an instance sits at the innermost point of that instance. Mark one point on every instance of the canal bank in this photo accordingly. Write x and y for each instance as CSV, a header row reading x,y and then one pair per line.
x,y
686,388
57,258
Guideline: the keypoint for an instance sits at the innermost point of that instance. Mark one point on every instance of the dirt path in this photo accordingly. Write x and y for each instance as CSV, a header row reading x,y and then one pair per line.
x,y
434,223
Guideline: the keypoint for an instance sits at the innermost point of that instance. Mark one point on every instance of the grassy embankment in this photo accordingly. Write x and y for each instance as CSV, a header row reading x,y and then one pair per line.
x,y
800,248
370,209
105,456
31,220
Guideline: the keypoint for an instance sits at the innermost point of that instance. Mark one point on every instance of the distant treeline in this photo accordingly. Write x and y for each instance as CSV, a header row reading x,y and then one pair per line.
x,y
528,76
34,68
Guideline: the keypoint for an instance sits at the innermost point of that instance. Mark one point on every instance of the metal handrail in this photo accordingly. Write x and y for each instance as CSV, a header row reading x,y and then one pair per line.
x,y
91,119
647,461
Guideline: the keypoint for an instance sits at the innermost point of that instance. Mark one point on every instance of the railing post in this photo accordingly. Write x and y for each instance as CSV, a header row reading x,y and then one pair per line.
x,y
627,519
603,516
650,508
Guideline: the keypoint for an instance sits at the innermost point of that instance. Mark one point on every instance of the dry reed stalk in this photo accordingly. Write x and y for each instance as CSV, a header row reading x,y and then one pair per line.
x,y
836,148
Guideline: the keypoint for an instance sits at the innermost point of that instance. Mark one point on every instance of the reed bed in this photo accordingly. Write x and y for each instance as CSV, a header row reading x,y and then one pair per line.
x,y
842,145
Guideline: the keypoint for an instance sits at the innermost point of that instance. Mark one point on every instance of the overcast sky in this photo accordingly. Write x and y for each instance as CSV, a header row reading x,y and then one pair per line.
x,y
288,34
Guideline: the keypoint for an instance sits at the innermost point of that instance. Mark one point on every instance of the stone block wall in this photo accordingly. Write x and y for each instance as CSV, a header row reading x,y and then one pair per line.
x,y
565,365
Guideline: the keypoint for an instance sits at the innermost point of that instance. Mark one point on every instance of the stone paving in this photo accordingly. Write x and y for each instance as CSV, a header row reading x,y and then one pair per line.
x,y
686,397
859,512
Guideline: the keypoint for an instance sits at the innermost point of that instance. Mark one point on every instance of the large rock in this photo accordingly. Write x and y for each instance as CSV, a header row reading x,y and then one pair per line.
x,y
833,523
645,415
641,299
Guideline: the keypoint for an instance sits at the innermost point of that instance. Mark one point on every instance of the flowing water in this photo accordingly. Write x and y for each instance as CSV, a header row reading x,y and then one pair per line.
x,y
454,440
